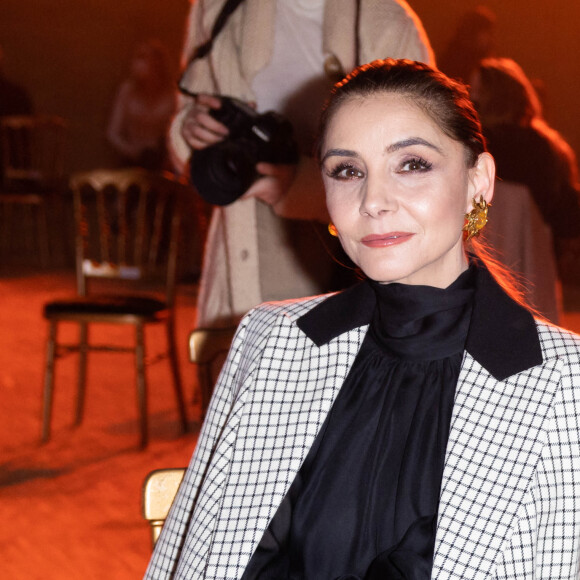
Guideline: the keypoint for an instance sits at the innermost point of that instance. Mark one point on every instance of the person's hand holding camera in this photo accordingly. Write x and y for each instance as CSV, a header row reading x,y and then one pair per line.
x,y
199,128
273,184
239,152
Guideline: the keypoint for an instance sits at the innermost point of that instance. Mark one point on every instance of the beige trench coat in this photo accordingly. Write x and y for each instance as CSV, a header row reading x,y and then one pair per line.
x,y
248,257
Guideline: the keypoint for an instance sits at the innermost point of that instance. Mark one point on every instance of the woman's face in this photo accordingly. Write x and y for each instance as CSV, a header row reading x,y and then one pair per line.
x,y
398,189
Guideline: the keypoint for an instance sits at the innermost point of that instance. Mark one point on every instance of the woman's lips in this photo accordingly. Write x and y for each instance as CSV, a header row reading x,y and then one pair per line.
x,y
383,240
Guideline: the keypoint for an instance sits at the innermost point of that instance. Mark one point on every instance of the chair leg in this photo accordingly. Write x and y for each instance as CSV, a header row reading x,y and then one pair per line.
x,y
6,230
48,380
175,371
43,237
82,375
141,382
29,225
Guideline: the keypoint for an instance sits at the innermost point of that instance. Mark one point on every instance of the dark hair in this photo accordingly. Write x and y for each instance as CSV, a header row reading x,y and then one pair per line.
x,y
443,99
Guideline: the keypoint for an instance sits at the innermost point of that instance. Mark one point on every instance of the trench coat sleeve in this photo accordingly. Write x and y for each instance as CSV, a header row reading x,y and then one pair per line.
x,y
238,53
178,149
410,39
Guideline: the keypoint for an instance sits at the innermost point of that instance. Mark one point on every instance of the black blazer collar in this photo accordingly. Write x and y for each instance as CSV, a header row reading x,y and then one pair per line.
x,y
502,336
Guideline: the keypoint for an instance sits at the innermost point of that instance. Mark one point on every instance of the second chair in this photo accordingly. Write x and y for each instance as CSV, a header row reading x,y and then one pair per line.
x,y
31,181
127,233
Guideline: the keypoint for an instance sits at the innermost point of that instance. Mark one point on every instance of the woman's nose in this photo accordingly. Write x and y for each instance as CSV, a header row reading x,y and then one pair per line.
x,y
377,199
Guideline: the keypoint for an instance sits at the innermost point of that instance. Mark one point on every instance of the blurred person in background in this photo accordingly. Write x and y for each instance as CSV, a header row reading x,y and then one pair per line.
x,y
143,108
473,40
527,223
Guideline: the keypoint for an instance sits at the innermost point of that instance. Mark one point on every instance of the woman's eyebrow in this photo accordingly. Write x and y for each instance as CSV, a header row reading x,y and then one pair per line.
x,y
408,143
390,149
339,153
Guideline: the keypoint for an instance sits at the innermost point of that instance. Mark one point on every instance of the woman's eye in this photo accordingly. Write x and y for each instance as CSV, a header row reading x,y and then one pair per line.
x,y
416,164
344,171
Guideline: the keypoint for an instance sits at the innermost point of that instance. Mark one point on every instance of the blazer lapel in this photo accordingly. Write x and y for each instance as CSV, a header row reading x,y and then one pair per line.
x,y
495,440
279,417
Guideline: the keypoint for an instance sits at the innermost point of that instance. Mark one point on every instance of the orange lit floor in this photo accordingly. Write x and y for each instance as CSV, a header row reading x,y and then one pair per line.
x,y
70,510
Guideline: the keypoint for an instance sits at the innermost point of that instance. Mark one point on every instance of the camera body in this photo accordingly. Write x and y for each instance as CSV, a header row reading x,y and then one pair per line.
x,y
222,172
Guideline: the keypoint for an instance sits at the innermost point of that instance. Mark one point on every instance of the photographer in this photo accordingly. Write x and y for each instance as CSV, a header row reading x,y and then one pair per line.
x,y
282,56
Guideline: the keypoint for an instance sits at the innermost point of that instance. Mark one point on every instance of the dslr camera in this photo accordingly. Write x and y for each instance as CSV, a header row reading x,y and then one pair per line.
x,y
222,172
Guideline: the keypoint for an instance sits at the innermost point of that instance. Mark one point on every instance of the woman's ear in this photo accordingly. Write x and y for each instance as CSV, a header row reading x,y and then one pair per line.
x,y
481,180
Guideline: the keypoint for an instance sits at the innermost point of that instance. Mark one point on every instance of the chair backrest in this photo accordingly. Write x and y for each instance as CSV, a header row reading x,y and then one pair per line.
x,y
32,151
207,344
127,227
208,348
159,490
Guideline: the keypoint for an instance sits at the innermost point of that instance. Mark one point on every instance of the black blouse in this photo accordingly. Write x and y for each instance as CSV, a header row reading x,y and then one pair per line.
x,y
364,503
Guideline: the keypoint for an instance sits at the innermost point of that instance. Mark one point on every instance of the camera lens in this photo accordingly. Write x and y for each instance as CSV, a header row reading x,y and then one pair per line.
x,y
223,172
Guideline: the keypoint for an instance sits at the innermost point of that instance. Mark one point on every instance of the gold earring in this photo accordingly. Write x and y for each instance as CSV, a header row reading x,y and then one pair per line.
x,y
332,230
476,218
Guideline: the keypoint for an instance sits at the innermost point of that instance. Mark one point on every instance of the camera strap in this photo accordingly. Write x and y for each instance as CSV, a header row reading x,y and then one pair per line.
x,y
229,8
226,11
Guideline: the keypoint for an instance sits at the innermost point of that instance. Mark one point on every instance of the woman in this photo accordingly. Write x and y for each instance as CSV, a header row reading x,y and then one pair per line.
x,y
537,200
420,424
143,109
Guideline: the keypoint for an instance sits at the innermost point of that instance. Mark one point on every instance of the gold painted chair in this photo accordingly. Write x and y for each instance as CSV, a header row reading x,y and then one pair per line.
x,y
127,234
207,349
31,175
159,491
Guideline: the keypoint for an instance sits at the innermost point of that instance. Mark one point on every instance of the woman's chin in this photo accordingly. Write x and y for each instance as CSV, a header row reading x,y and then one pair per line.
x,y
429,276
388,275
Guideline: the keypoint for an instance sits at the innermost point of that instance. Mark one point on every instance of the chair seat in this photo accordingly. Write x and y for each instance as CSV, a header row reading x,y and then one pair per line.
x,y
103,305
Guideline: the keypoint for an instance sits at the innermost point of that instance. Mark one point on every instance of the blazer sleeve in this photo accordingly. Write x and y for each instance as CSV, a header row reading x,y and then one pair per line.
x,y
545,540
169,545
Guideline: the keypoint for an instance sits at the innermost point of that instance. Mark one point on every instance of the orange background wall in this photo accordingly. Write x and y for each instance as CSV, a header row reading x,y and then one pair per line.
x,y
542,36
71,54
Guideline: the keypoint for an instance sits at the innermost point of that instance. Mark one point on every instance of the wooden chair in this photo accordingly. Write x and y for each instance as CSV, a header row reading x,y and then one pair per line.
x,y
207,349
159,491
32,174
127,233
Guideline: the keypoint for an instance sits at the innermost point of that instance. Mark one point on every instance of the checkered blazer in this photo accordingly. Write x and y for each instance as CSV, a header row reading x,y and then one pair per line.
x,y
510,496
